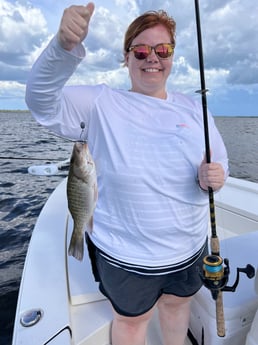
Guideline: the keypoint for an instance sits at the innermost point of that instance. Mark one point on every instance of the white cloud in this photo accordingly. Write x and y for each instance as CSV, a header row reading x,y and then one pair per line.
x,y
20,27
229,33
129,6
118,78
23,32
106,31
11,89
230,39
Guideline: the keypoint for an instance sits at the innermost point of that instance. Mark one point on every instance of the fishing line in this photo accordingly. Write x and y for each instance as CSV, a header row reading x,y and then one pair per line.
x,y
72,140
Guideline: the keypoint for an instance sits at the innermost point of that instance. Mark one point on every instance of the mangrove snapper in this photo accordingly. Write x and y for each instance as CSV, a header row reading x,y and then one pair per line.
x,y
82,196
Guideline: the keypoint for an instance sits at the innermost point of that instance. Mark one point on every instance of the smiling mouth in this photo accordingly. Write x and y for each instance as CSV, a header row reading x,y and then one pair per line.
x,y
151,70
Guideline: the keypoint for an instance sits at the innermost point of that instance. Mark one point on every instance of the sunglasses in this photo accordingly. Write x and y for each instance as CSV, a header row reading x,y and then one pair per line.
x,y
142,51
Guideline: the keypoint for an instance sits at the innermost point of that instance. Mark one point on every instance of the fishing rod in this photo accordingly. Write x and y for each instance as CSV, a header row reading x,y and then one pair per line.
x,y
28,158
215,275
47,169
215,247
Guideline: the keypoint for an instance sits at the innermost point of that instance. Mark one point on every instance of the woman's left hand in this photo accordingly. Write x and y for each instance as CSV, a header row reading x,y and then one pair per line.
x,y
211,175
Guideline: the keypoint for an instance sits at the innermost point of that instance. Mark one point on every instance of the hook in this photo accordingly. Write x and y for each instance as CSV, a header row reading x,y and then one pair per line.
x,y
82,125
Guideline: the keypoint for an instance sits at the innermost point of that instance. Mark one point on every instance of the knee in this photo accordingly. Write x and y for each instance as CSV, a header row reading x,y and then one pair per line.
x,y
173,303
130,330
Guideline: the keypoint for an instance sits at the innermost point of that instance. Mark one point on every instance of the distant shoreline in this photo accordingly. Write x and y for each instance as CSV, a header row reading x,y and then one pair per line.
x,y
13,111
28,111
239,116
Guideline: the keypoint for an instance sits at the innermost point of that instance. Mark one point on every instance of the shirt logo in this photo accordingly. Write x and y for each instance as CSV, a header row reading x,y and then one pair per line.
x,y
182,125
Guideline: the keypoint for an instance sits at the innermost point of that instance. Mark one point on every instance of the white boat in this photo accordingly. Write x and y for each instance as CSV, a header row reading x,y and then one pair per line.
x,y
59,302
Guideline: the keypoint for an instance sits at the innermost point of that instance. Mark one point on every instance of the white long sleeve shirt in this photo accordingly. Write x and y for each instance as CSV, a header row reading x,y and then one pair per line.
x,y
150,209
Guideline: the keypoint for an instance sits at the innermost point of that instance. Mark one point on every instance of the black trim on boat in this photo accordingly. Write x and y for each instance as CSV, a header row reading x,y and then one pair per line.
x,y
61,330
192,338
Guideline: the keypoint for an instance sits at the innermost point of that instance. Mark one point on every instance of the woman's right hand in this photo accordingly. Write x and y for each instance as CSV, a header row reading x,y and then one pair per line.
x,y
74,25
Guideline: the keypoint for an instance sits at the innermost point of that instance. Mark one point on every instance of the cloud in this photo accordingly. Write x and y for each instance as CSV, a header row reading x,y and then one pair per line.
x,y
244,72
230,39
12,72
106,30
23,34
9,89
229,33
20,27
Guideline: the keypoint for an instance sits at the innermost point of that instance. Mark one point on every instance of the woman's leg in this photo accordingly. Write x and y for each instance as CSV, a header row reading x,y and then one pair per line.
x,y
130,330
174,315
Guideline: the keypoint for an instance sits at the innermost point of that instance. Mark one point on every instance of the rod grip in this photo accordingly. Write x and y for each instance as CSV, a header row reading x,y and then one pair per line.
x,y
220,319
215,247
220,315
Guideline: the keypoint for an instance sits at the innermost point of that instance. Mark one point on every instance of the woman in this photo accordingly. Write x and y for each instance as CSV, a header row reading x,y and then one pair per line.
x,y
151,219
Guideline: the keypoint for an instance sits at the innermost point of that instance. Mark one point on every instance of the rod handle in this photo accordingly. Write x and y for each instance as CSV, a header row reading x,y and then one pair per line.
x,y
220,319
215,247
220,315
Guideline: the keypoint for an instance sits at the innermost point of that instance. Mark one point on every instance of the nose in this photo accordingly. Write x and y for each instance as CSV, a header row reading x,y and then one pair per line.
x,y
152,57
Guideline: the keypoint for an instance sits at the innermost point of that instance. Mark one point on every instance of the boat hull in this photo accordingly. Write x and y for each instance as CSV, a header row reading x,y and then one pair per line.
x,y
72,309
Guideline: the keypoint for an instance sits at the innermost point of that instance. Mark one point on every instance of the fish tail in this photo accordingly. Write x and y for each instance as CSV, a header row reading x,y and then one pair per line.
x,y
76,246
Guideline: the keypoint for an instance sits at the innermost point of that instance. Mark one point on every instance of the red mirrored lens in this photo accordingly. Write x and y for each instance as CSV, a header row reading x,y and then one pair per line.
x,y
163,50
141,52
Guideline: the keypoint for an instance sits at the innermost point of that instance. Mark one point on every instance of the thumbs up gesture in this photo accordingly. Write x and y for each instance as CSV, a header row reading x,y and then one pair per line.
x,y
74,25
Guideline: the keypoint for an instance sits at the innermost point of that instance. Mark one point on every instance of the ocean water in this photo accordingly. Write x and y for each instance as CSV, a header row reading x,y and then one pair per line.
x,y
24,143
240,135
22,196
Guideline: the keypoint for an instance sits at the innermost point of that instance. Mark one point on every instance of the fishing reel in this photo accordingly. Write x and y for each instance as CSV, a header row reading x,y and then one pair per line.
x,y
215,275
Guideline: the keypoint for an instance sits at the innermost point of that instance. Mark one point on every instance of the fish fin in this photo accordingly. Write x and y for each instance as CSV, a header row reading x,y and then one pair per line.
x,y
90,225
95,193
76,246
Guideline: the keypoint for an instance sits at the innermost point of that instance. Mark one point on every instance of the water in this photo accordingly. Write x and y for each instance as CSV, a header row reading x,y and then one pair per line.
x,y
22,196
240,135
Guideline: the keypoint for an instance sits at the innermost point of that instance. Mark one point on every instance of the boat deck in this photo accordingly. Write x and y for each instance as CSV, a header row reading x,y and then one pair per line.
x,y
74,311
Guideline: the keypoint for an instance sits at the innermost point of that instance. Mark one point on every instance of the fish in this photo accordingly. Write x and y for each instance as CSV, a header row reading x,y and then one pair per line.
x,y
82,195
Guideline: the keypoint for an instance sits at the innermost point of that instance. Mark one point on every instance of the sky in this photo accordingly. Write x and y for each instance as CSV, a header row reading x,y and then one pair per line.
x,y
229,39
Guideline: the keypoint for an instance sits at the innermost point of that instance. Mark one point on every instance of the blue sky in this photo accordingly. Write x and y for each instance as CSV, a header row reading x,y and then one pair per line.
x,y
229,30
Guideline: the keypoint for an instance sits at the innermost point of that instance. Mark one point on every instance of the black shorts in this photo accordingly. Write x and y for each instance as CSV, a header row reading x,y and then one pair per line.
x,y
133,294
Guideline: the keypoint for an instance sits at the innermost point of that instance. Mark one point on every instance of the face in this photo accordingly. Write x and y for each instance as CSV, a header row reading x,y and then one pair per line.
x,y
149,76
